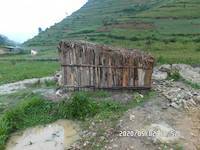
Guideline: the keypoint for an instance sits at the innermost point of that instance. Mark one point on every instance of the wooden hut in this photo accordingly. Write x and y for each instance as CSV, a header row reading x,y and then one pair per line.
x,y
88,65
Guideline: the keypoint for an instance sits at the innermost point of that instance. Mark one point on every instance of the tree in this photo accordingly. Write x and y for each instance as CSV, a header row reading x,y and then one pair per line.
x,y
39,30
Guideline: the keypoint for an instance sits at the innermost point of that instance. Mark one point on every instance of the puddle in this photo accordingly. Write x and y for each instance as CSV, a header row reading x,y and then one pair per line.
x,y
57,136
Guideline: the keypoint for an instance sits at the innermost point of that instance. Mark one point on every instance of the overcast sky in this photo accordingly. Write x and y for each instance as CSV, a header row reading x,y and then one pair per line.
x,y
20,19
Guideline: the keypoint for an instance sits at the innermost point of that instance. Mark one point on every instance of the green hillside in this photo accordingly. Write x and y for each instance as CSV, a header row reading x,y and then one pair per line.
x,y
4,41
169,29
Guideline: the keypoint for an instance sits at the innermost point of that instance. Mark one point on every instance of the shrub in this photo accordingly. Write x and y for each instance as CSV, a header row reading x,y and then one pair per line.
x,y
81,106
175,75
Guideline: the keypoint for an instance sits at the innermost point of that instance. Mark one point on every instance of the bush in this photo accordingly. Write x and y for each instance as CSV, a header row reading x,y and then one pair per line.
x,y
81,106
175,75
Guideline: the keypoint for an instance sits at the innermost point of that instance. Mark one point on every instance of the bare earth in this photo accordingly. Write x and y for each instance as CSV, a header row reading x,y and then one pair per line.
x,y
155,112
185,124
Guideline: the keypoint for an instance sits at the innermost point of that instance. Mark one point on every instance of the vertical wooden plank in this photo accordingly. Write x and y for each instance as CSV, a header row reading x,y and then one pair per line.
x,y
110,76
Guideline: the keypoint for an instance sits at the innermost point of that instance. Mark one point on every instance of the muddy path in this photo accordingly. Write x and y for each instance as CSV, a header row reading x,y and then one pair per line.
x,y
21,85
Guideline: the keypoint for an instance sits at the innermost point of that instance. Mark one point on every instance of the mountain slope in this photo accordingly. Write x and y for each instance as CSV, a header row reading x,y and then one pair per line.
x,y
170,29
4,41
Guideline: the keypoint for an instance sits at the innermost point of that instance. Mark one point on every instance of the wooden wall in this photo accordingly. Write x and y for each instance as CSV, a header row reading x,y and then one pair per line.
x,y
86,65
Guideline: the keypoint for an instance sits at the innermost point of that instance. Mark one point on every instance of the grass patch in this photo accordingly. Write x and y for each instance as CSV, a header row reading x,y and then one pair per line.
x,y
12,71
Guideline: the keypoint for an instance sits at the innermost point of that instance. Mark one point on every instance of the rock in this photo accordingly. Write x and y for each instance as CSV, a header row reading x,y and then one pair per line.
x,y
115,146
132,117
141,96
86,143
53,94
165,68
173,104
158,75
197,98
164,133
59,93
188,72
58,77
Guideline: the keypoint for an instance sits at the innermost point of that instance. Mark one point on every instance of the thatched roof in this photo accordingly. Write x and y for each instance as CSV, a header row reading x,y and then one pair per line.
x,y
134,53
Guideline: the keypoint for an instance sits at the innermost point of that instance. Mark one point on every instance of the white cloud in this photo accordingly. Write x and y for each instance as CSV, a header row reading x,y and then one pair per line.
x,y
20,19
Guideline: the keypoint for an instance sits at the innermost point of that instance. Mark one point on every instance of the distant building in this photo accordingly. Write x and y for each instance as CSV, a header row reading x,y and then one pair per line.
x,y
34,52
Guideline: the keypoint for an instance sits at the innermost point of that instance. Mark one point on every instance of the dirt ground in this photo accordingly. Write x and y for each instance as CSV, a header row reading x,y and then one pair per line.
x,y
156,111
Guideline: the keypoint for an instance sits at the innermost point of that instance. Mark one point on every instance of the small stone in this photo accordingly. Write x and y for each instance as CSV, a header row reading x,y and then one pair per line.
x,y
173,104
132,117
141,96
86,143
115,146
94,134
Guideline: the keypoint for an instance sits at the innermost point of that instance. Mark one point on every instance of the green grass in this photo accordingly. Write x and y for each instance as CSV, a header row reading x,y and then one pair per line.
x,y
34,110
12,71
9,101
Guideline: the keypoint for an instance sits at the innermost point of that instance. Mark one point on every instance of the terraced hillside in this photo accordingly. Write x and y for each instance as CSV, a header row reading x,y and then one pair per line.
x,y
169,29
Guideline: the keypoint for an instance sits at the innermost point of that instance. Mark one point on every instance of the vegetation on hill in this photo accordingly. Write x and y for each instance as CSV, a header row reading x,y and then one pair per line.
x,y
169,29
4,41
